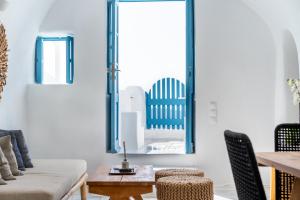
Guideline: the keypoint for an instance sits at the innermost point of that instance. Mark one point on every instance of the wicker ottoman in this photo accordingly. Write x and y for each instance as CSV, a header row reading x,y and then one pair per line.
x,y
184,188
178,172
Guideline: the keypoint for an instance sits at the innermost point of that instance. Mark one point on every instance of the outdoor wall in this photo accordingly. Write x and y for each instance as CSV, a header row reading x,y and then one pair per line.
x,y
235,59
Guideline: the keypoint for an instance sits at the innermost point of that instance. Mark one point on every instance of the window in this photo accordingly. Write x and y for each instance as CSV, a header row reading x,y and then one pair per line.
x,y
150,76
54,60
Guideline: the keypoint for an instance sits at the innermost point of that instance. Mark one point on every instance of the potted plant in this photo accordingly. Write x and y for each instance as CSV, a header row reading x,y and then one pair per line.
x,y
294,85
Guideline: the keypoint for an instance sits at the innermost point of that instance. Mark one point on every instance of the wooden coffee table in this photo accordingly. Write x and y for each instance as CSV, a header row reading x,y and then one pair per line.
x,y
124,186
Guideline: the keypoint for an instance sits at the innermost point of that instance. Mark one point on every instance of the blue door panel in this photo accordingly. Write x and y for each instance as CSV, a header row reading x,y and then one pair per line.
x,y
112,69
184,111
190,64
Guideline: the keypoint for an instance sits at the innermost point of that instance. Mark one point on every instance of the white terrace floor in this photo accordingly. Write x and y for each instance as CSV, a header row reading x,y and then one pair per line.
x,y
172,147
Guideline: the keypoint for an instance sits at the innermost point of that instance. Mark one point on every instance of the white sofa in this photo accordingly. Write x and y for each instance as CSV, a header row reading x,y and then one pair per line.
x,y
48,180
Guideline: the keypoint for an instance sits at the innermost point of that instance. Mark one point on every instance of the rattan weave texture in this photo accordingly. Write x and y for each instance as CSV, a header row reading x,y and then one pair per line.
x,y
244,167
184,188
287,138
178,172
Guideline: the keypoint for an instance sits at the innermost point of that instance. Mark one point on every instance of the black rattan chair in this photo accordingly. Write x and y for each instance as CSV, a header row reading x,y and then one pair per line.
x,y
287,138
244,167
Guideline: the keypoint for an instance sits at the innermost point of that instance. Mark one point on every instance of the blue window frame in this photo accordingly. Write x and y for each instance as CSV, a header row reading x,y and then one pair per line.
x,y
113,68
66,52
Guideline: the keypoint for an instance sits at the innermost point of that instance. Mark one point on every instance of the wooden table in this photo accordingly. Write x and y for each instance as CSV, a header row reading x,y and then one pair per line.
x,y
288,162
122,187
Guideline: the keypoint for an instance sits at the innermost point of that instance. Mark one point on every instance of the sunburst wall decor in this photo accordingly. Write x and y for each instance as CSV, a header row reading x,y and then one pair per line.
x,y
3,58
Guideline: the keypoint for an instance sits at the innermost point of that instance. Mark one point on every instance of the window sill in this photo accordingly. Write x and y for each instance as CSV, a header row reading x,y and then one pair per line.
x,y
141,153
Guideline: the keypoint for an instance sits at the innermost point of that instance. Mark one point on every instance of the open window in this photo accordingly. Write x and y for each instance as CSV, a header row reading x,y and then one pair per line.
x,y
150,76
54,60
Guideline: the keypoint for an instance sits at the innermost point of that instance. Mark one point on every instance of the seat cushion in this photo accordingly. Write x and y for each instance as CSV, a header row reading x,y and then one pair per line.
x,y
48,180
22,147
15,148
6,146
5,171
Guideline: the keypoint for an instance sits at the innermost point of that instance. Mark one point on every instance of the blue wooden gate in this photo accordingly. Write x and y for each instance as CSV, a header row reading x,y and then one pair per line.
x,y
166,105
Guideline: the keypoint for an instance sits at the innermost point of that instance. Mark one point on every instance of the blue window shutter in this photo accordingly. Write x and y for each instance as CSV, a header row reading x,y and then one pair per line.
x,y
112,77
109,111
69,57
39,60
70,60
190,59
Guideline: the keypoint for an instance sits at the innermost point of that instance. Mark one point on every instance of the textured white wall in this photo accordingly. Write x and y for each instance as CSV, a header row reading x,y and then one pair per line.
x,y
21,20
235,59
290,111
283,18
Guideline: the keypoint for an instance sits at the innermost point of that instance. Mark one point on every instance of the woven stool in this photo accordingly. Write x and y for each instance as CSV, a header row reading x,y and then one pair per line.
x,y
178,172
184,188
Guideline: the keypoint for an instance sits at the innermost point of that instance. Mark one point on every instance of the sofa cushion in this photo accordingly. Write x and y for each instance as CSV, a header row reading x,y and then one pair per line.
x,y
17,152
48,180
6,146
22,147
2,182
4,168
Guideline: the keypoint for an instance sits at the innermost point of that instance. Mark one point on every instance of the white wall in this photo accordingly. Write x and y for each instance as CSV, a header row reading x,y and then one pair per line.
x,y
291,70
22,25
283,18
235,66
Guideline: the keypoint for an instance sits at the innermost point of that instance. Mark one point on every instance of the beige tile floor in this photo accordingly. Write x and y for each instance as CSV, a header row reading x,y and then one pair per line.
x,y
95,197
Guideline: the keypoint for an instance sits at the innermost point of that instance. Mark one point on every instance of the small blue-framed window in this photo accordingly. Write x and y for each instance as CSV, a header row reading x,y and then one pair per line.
x,y
54,60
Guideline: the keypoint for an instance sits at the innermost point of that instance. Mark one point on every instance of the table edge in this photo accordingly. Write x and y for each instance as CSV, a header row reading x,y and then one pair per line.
x,y
278,166
94,182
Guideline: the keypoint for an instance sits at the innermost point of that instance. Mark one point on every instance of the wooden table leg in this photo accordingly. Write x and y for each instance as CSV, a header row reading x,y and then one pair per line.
x,y
273,184
83,191
296,190
119,198
139,197
122,192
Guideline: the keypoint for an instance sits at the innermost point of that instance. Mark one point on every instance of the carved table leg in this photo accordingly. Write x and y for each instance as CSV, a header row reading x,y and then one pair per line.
x,y
139,197
119,198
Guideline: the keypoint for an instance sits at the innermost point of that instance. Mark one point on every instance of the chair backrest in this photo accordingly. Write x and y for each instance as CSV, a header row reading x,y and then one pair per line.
x,y
244,167
287,138
166,104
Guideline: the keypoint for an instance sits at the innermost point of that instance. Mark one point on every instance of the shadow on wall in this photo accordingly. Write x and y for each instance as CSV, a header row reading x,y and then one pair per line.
x,y
291,70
